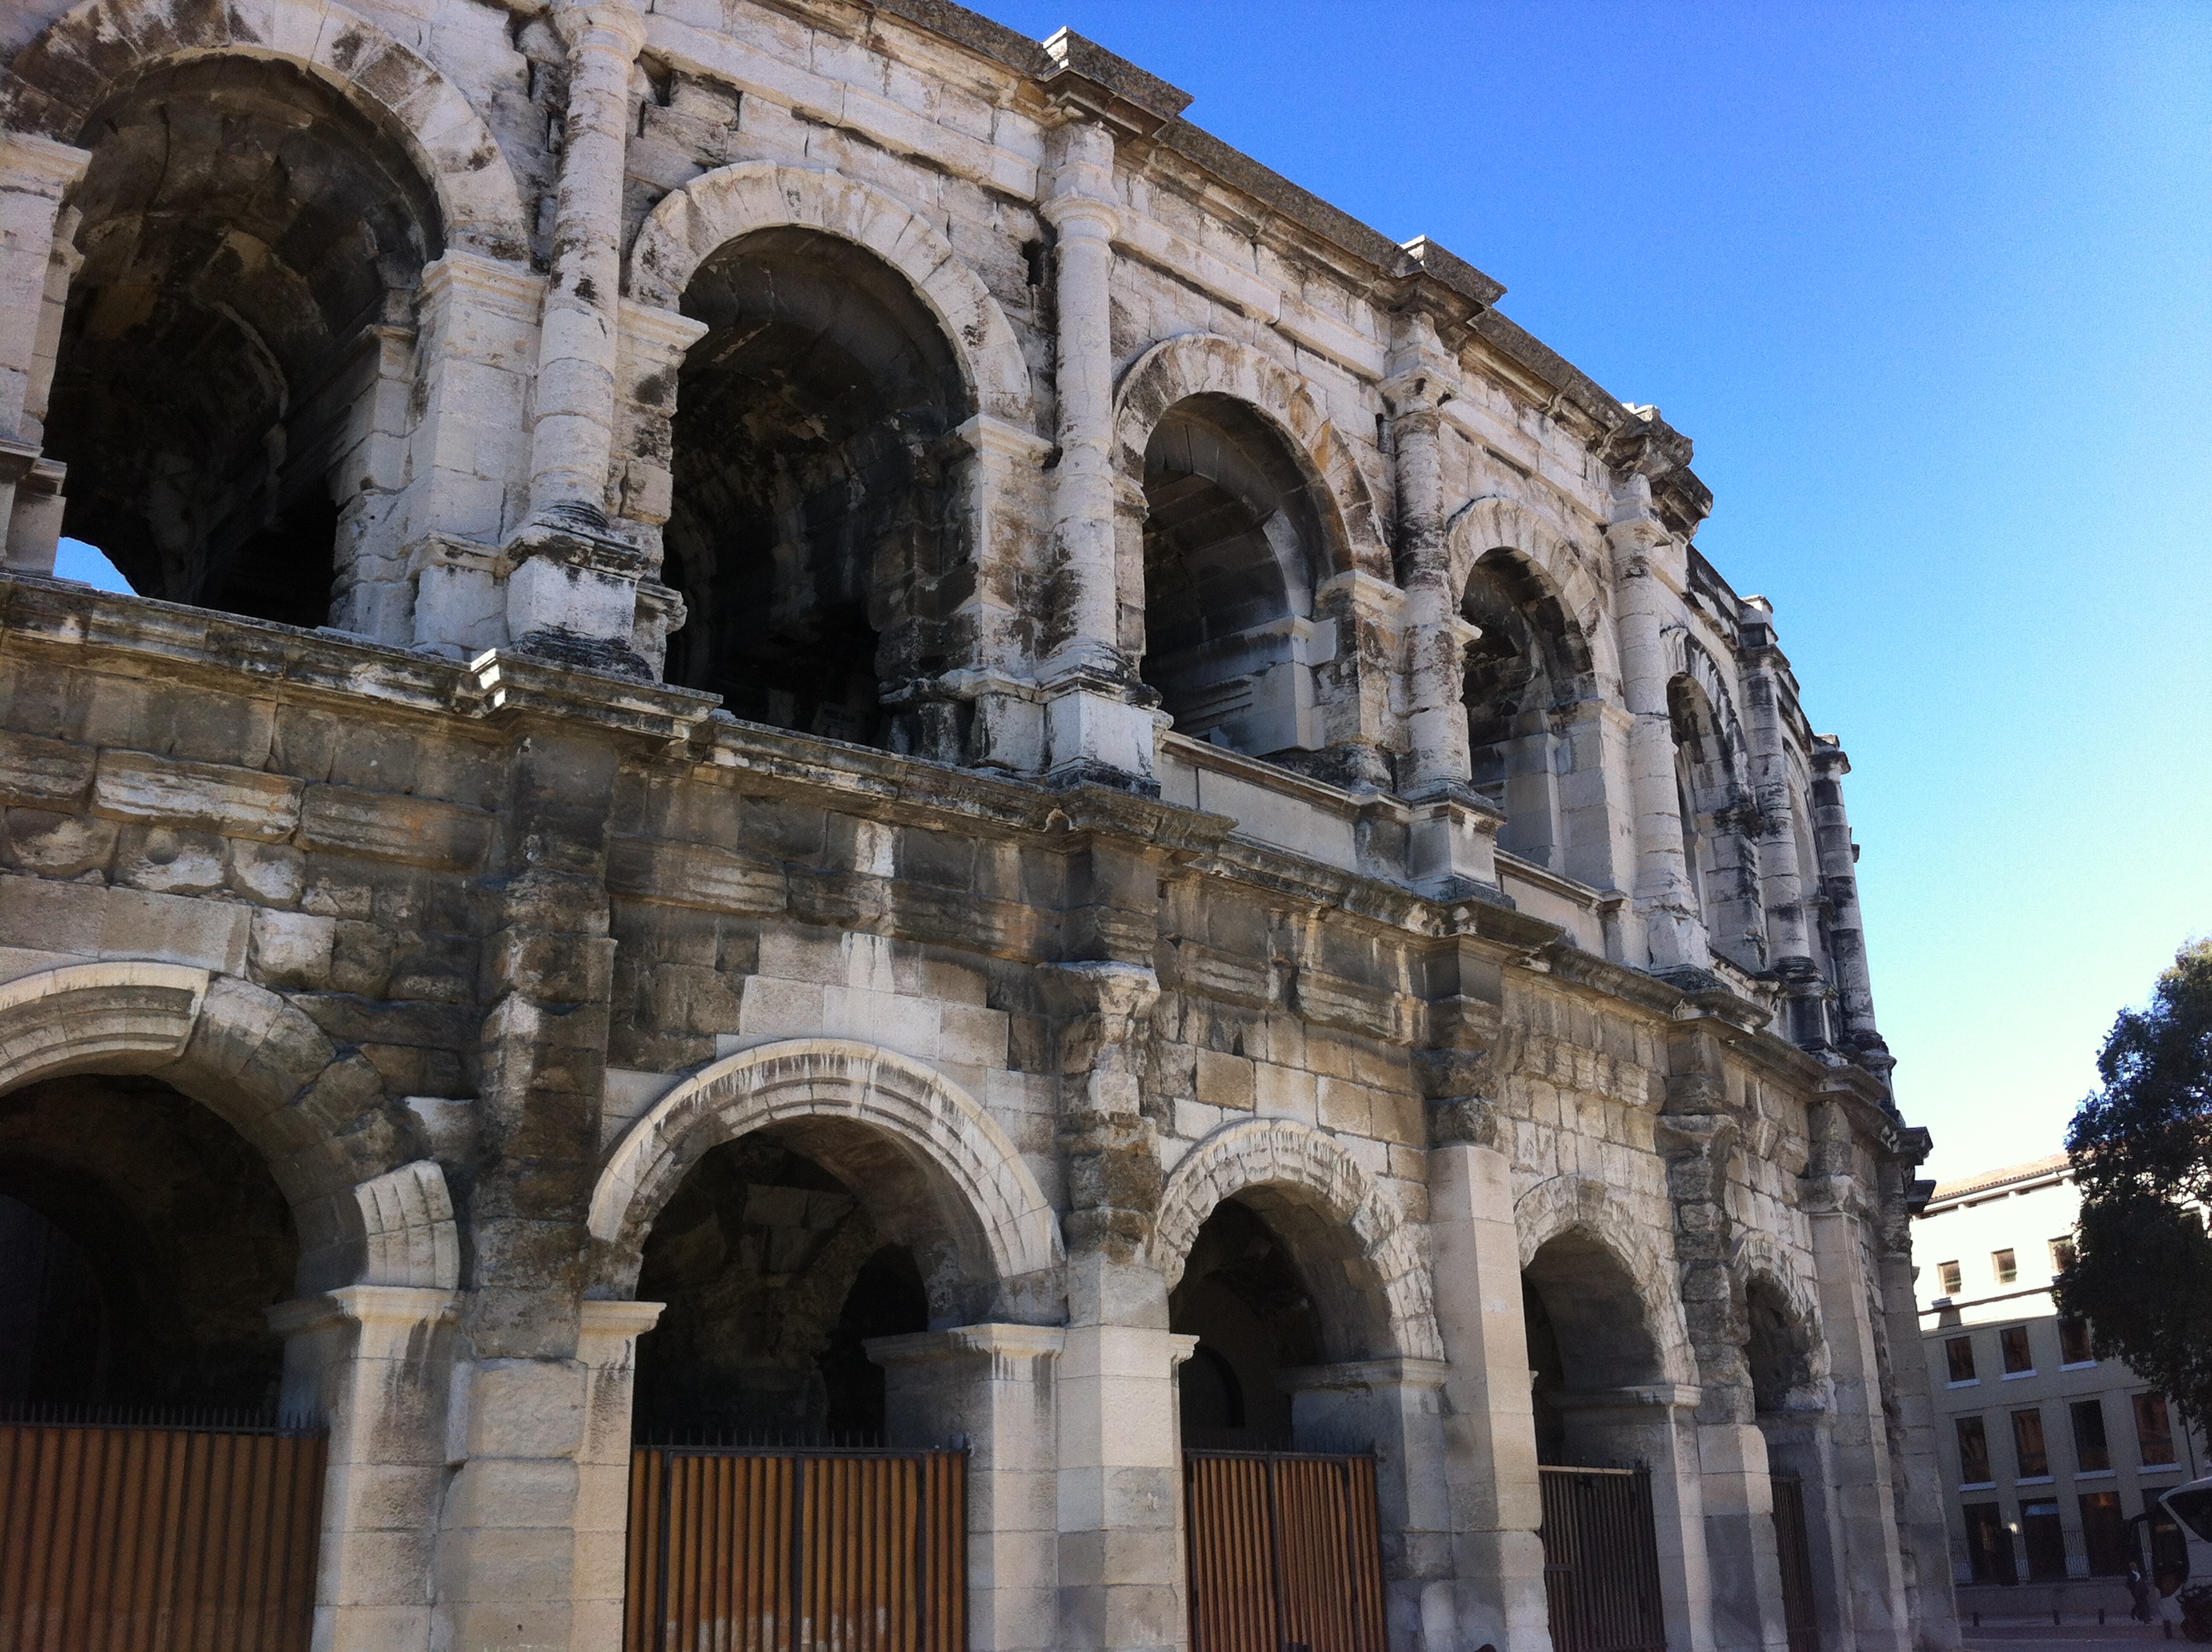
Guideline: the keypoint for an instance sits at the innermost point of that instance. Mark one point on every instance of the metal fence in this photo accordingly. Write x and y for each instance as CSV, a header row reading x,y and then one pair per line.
x,y
741,1549
1602,1560
1794,1550
159,1536
1286,1552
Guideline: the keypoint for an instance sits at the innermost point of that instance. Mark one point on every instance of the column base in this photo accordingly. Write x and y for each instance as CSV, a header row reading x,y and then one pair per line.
x,y
1096,733
572,596
1451,847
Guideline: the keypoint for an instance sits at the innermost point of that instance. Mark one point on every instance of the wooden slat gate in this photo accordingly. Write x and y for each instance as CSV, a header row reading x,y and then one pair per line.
x,y
147,1538
1794,1551
1602,1560
1286,1552
791,1550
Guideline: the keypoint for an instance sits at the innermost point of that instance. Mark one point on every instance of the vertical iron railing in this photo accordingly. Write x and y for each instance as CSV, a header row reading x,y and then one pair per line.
x,y
159,1536
1793,1547
1602,1560
775,1549
1285,1551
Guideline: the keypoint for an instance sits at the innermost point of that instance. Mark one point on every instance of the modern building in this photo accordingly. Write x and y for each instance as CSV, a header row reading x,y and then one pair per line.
x,y
2051,1457
828,733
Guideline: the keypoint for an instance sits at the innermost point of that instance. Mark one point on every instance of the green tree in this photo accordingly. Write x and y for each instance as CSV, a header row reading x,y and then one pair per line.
x,y
2142,1147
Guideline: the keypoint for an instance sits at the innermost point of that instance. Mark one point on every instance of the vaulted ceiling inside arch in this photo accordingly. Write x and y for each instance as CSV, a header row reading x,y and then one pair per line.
x,y
242,226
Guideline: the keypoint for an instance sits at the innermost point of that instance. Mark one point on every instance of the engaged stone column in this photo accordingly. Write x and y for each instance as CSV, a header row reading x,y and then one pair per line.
x,y
1095,728
991,1386
1789,931
1839,882
1664,901
1489,1425
35,172
373,1361
1436,719
1395,1407
1656,1425
1865,1497
575,583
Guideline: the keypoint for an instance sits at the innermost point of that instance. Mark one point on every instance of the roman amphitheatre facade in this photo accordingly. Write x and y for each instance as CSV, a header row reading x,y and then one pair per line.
x,y
832,740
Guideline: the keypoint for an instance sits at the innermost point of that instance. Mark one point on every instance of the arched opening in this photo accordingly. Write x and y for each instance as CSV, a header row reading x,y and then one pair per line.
x,y
1234,545
251,243
1589,1337
816,533
1789,1401
1719,845
781,1255
143,1241
1526,669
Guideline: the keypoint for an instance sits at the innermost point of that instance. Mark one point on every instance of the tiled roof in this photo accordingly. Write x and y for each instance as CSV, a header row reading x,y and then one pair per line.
x,y
1987,1178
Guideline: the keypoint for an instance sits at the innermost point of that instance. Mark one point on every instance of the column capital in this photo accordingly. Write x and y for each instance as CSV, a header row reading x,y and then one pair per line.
x,y
44,165
605,1329
600,25
1081,216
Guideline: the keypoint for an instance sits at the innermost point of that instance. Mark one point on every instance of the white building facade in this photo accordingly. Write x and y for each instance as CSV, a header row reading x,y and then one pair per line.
x,y
2052,1458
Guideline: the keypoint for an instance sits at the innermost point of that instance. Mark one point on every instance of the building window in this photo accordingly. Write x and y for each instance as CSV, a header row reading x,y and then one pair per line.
x,y
2062,1254
2154,1431
2169,1548
2005,1265
1952,1278
1958,1359
2027,1444
1988,1545
2074,1347
2090,1452
2012,1342
1973,1453
2047,1542
2103,1534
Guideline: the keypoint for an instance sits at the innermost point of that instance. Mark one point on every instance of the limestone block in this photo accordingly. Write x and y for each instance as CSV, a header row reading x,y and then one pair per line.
x,y
37,773
56,846
385,826
169,861
292,949
215,796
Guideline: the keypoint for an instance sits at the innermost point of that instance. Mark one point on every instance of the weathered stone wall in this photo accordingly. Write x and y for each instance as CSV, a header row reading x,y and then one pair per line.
x,y
1485,924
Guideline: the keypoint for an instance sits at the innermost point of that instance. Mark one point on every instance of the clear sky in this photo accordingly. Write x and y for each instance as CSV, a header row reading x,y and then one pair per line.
x,y
1931,288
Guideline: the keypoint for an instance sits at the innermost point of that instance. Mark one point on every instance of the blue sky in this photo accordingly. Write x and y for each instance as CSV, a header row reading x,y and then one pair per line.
x,y
1931,288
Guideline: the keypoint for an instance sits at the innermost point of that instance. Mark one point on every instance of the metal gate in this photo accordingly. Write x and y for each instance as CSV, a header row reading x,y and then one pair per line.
x,y
1286,1552
159,1537
739,1550
1602,1560
1794,1551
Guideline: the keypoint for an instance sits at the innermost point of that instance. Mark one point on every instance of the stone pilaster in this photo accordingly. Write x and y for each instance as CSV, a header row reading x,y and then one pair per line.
x,y
1665,905
1766,683
1836,1206
606,1349
1839,886
573,590
994,1387
35,173
1920,1533
373,1362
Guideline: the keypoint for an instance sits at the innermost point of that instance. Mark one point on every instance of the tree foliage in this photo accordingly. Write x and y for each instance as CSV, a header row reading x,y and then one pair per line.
x,y
2142,1148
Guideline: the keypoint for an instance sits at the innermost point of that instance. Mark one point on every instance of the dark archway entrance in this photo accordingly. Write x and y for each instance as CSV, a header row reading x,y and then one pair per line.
x,y
1234,546
816,533
249,241
1284,1541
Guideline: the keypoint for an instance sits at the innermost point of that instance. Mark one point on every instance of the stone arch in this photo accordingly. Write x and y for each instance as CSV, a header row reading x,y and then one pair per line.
x,y
949,1153
1259,1153
1759,1259
1571,1204
54,85
1494,522
314,1112
1207,364
711,211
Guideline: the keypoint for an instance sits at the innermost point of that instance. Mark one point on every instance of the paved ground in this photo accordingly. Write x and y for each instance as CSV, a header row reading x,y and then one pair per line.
x,y
2001,1635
